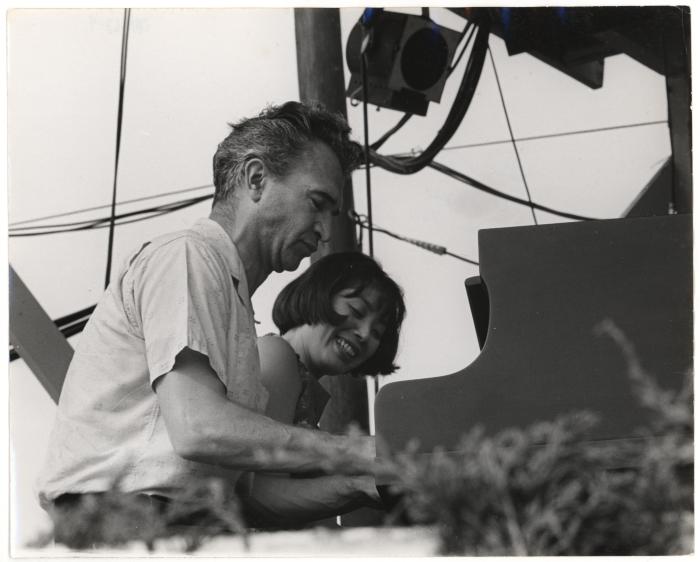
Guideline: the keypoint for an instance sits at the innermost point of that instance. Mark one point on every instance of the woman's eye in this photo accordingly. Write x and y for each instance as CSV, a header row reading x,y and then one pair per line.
x,y
355,312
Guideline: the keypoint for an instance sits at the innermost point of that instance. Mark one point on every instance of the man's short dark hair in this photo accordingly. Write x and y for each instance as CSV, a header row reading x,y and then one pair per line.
x,y
308,300
277,137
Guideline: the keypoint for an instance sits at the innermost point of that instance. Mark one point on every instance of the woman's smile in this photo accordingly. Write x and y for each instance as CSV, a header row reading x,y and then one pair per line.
x,y
345,348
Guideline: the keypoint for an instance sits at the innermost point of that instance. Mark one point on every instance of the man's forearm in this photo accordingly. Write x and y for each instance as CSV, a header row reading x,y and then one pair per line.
x,y
205,426
258,443
283,501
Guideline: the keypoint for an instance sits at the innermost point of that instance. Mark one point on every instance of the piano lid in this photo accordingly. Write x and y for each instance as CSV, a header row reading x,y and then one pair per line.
x,y
548,288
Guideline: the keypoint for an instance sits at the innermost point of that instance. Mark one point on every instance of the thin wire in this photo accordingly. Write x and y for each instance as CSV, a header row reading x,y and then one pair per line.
x,y
98,207
370,237
472,29
461,258
120,114
483,187
173,205
512,138
100,222
555,135
672,203
361,221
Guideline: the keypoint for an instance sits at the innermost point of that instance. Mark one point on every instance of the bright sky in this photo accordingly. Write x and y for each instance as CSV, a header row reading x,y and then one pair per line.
x,y
189,72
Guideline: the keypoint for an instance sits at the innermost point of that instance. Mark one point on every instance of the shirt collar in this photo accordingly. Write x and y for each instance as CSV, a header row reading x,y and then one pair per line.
x,y
223,244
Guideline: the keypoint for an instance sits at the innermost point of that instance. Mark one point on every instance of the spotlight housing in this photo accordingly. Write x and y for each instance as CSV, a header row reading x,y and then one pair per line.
x,y
408,57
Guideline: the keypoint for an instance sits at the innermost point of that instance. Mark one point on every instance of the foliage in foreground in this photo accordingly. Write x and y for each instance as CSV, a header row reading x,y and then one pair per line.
x,y
115,519
546,491
542,490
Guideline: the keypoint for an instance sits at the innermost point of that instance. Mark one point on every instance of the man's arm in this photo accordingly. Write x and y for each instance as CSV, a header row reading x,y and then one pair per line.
x,y
277,499
290,502
204,426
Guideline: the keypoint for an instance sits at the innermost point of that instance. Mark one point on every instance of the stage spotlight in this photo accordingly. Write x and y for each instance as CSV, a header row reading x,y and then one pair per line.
x,y
407,59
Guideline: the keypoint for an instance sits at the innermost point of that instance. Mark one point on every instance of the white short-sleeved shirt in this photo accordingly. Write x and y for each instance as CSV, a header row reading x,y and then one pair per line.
x,y
186,289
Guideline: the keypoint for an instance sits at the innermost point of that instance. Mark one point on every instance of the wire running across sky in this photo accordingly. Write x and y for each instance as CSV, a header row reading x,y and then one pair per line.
x,y
363,222
104,222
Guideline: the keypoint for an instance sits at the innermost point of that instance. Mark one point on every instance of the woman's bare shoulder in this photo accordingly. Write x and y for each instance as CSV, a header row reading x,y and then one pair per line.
x,y
277,359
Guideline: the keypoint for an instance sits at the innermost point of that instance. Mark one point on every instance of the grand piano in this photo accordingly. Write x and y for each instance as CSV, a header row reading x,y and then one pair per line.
x,y
541,292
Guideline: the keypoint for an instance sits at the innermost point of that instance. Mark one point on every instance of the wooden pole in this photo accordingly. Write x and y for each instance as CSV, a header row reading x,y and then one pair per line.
x,y
321,79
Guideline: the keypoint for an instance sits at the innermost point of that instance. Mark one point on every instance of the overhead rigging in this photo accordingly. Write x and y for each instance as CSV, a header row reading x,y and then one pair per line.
x,y
120,115
460,105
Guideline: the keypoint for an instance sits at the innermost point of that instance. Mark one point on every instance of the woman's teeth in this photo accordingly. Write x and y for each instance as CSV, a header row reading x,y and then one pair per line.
x,y
345,347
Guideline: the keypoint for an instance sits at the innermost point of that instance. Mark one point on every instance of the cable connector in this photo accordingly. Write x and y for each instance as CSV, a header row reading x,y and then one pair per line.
x,y
434,248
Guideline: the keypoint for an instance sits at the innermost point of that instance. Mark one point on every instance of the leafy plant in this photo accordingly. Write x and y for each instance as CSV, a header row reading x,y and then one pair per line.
x,y
545,490
205,509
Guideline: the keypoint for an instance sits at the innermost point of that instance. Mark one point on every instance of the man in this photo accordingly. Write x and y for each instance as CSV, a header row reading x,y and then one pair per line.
x,y
164,386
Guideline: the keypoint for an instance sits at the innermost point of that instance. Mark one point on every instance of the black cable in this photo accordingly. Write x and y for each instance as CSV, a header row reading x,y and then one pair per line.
x,y
468,28
363,56
512,137
361,221
485,188
100,222
70,318
126,201
381,140
120,115
462,101
177,205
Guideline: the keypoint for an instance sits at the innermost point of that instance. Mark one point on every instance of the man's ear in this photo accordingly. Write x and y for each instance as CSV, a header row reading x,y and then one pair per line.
x,y
254,174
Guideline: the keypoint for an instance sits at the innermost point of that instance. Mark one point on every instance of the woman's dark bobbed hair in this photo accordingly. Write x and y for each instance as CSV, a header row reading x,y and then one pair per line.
x,y
308,300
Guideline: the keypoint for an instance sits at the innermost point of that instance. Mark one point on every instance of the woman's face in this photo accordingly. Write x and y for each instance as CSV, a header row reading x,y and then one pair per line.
x,y
335,350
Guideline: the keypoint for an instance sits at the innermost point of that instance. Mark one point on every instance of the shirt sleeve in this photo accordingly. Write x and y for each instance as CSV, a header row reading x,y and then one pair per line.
x,y
182,296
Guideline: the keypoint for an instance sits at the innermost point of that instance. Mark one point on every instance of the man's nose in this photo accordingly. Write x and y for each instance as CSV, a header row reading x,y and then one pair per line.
x,y
323,227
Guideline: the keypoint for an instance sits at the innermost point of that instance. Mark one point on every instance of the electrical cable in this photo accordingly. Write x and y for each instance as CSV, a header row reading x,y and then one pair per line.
x,y
468,28
120,115
381,140
556,135
98,207
100,222
368,178
512,137
461,103
70,318
361,220
485,188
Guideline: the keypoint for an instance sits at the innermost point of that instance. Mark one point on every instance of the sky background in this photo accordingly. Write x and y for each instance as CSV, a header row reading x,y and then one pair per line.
x,y
189,72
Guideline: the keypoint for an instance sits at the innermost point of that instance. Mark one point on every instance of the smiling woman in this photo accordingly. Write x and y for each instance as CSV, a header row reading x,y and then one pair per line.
x,y
341,316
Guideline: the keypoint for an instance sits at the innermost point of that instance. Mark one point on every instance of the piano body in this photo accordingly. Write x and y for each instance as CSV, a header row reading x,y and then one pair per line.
x,y
542,291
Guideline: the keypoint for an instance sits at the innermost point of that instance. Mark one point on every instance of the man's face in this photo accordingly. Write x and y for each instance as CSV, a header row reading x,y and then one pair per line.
x,y
299,206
